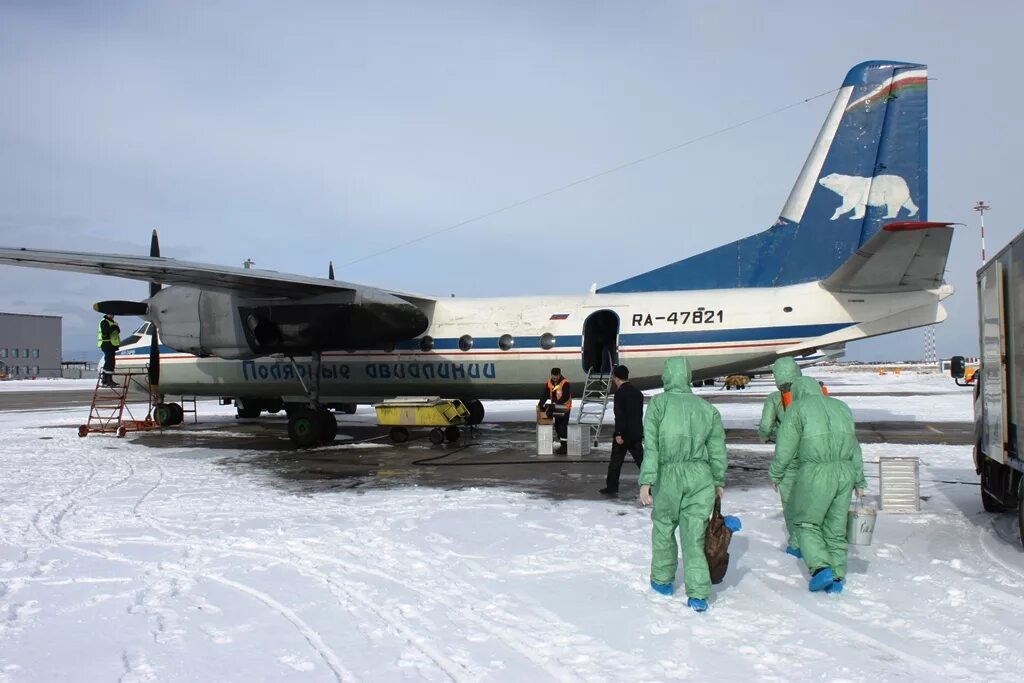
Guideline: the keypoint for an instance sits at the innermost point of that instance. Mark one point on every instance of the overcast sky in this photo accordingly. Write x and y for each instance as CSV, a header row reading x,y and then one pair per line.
x,y
295,133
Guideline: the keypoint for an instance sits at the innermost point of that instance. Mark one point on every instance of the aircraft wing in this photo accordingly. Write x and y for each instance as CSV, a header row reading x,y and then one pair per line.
x,y
168,271
901,257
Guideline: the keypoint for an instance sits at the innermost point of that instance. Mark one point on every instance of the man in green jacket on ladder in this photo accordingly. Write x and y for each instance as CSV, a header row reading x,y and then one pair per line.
x,y
682,472
818,431
786,371
108,339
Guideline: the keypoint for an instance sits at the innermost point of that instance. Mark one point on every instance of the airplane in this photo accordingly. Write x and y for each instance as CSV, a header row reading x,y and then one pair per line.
x,y
851,255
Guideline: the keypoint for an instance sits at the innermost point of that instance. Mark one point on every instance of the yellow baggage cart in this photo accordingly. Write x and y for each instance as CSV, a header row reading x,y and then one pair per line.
x,y
444,415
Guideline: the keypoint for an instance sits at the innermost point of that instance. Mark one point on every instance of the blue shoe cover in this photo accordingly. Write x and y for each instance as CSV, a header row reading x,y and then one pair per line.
x,y
697,604
821,580
733,523
836,587
795,552
663,588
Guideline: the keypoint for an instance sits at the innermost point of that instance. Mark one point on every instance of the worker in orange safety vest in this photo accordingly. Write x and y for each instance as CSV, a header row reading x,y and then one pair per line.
x,y
556,401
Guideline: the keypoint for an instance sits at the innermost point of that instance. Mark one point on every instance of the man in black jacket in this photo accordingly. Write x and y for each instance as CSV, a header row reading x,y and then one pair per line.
x,y
629,428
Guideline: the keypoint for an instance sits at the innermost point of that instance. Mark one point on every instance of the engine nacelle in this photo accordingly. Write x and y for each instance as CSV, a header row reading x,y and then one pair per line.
x,y
210,323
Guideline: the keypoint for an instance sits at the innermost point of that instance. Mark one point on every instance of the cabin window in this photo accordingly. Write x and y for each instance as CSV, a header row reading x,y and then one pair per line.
x,y
787,309
427,343
14,353
547,341
3,353
506,342
465,342
35,353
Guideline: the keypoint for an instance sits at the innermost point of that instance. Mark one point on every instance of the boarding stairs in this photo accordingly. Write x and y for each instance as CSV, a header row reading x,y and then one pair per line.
x,y
594,402
110,412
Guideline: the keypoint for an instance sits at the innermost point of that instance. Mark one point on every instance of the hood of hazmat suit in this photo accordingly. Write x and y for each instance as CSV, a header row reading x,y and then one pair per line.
x,y
684,460
786,371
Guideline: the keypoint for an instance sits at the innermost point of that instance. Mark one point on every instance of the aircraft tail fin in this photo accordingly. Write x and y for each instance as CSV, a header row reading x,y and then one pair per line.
x,y
868,166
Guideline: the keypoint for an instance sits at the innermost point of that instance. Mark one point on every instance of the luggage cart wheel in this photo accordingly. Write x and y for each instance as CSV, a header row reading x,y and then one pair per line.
x,y
121,431
436,436
83,430
452,433
399,434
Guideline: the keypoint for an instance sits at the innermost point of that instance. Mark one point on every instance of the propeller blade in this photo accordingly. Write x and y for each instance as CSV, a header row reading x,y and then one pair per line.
x,y
154,360
330,270
121,308
154,250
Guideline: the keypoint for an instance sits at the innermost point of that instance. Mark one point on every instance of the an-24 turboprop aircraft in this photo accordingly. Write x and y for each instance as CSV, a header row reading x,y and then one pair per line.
x,y
850,256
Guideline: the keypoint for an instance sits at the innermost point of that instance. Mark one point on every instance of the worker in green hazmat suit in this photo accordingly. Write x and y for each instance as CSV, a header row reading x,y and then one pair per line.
x,y
683,470
818,431
786,371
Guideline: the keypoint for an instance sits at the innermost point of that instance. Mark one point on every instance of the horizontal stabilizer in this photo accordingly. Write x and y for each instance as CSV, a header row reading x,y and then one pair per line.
x,y
901,257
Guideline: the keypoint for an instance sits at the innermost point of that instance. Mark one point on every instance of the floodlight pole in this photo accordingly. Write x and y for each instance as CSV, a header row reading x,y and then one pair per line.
x,y
981,208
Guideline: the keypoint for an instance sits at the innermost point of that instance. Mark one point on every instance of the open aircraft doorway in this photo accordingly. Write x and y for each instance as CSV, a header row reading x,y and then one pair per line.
x,y
601,341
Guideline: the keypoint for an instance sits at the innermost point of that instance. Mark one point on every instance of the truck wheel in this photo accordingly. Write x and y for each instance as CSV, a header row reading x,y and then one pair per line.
x,y
436,436
991,478
1020,510
399,434
452,434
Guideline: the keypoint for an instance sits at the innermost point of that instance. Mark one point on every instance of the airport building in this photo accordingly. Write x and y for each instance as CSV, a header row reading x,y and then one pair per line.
x,y
29,346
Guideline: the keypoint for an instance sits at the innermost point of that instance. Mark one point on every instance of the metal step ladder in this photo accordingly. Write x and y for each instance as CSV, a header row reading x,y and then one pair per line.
x,y
594,402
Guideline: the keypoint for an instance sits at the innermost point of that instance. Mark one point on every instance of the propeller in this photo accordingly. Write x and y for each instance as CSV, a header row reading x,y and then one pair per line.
x,y
154,345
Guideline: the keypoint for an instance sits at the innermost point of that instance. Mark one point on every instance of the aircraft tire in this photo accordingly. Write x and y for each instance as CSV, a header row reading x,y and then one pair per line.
x,y
329,427
476,411
436,436
350,408
452,434
177,413
163,414
247,409
304,427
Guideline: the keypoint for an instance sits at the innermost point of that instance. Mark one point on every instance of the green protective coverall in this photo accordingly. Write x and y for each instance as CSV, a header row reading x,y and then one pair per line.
x,y
819,432
684,460
786,371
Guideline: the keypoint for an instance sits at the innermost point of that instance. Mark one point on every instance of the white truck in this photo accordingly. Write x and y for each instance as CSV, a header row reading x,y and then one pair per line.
x,y
999,388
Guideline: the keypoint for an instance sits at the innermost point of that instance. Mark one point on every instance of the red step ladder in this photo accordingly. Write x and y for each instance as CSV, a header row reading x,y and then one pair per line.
x,y
110,412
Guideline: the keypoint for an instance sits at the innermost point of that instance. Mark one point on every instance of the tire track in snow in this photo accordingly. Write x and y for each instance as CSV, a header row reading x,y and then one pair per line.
x,y
984,534
856,634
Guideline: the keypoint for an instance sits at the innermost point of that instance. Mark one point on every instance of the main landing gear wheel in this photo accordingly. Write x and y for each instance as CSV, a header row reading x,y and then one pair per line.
x,y
349,408
308,427
476,412
436,436
246,409
168,414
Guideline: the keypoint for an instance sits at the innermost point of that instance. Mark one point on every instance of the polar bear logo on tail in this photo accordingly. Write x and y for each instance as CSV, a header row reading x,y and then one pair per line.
x,y
858,193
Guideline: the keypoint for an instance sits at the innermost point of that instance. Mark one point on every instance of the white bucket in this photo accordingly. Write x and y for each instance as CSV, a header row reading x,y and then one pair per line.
x,y
860,524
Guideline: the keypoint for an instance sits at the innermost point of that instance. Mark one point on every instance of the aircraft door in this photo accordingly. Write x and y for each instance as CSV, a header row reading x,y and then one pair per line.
x,y
601,341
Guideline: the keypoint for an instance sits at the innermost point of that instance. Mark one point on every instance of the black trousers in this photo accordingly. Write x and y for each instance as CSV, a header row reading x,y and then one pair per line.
x,y
108,357
562,426
635,448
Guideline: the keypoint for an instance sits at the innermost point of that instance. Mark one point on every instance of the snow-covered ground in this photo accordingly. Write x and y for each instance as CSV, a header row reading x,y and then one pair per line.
x,y
120,561
48,384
